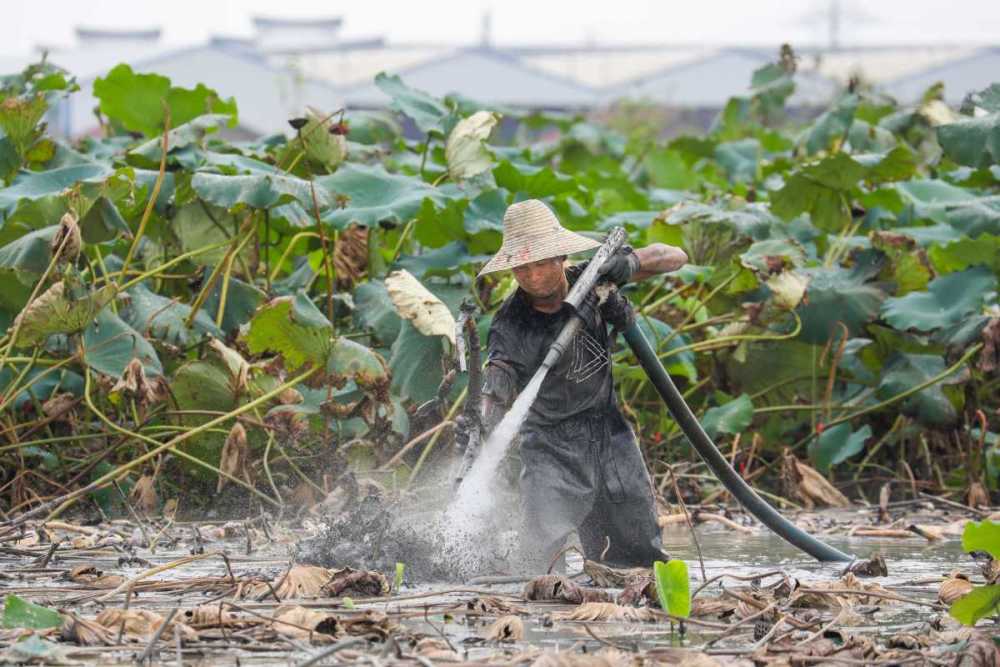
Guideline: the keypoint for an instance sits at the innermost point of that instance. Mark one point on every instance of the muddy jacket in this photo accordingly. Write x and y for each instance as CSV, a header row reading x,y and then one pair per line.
x,y
579,384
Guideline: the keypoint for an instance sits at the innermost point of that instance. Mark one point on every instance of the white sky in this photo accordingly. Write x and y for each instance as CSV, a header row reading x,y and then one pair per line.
x,y
27,23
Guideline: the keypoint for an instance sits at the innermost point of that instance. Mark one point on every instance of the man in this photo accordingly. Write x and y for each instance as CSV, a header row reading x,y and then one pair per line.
x,y
581,468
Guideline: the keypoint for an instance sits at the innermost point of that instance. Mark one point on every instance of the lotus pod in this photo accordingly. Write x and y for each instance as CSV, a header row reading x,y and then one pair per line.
x,y
134,383
67,241
954,587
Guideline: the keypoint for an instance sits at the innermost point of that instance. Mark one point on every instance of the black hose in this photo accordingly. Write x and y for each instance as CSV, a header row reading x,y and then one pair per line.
x,y
709,453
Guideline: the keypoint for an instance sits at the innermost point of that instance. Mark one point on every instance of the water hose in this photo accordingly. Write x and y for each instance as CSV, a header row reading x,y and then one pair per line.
x,y
711,455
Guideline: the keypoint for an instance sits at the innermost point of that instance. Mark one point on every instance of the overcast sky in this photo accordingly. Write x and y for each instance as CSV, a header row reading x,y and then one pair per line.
x,y
27,23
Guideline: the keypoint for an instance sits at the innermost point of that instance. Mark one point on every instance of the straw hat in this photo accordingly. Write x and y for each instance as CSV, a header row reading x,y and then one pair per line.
x,y
531,233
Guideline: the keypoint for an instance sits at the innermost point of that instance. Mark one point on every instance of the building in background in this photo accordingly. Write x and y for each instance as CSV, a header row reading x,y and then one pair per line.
x,y
290,63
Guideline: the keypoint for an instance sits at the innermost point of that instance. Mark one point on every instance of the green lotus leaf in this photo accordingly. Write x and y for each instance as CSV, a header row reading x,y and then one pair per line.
x,y
19,613
975,141
166,319
771,86
982,536
372,127
838,295
258,190
660,335
198,225
416,364
962,253
666,169
139,101
292,327
773,255
977,604
904,371
428,113
147,154
673,587
242,301
946,302
59,310
527,181
102,222
374,309
837,444
866,137
739,159
732,417
32,185
42,386
354,361
374,195
820,189
831,127
19,118
29,255
443,261
896,164
439,227
109,344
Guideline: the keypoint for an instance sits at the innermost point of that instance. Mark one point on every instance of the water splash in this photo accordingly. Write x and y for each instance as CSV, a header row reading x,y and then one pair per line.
x,y
475,497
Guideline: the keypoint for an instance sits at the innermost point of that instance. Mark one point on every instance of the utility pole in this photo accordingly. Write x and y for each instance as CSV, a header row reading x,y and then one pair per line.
x,y
486,30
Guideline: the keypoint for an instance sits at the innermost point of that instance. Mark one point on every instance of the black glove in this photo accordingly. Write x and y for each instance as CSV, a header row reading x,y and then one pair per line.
x,y
621,266
616,310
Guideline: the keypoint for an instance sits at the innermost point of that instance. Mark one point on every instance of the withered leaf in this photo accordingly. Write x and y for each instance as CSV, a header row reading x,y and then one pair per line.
x,y
356,583
493,606
142,623
235,456
301,623
956,586
508,628
610,577
304,581
605,611
370,621
91,576
809,485
144,494
350,255
86,632
556,588
607,657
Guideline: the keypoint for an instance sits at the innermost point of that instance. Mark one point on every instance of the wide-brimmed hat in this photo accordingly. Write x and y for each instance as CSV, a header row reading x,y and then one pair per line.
x,y
531,232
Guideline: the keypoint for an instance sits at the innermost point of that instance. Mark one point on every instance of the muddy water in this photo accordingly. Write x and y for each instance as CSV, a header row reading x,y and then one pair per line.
x,y
915,568
908,560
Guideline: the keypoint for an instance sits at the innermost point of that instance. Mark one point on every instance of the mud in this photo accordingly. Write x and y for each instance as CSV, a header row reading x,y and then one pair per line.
x,y
376,533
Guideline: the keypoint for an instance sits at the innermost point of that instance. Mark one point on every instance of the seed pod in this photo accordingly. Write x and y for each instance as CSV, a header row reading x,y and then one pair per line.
x,y
133,383
234,456
953,588
290,396
67,241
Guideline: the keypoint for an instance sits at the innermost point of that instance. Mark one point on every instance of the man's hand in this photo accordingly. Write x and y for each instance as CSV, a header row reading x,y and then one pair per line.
x,y
658,258
621,266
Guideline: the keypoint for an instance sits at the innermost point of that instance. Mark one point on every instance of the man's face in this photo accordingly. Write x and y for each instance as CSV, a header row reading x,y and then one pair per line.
x,y
541,279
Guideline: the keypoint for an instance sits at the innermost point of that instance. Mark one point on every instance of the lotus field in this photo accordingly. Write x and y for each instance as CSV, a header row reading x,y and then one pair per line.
x,y
244,325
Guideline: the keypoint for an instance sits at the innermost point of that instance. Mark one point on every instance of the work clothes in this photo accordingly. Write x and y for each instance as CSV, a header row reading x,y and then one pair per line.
x,y
581,468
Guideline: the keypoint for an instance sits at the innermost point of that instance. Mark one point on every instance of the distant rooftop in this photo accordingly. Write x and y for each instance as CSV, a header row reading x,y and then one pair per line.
x,y
289,62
